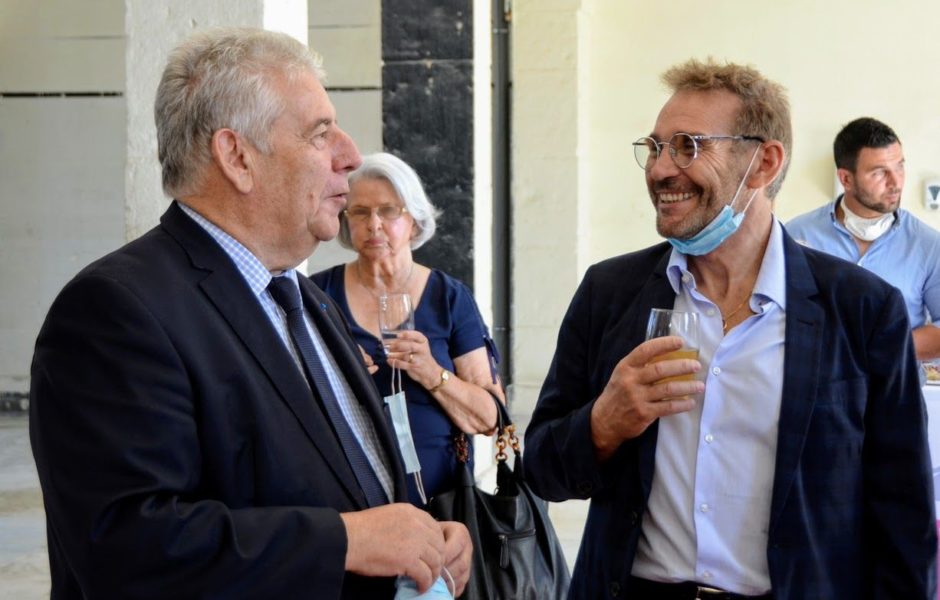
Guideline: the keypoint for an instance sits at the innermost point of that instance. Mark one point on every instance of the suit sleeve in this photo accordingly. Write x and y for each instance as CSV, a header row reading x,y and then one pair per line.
x,y
560,461
901,534
117,438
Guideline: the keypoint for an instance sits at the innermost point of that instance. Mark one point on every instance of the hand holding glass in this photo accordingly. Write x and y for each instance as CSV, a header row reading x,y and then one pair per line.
x,y
396,314
663,322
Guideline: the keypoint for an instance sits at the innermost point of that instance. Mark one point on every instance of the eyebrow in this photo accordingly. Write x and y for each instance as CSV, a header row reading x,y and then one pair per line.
x,y
326,121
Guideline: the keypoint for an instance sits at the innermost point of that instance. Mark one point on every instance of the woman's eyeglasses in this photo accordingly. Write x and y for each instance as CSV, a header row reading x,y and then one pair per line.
x,y
387,212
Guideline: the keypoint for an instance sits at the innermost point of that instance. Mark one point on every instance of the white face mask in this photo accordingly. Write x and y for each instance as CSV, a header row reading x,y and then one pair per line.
x,y
867,230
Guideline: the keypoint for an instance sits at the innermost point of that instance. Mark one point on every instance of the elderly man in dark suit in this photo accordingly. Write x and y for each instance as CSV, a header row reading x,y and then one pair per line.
x,y
203,424
793,464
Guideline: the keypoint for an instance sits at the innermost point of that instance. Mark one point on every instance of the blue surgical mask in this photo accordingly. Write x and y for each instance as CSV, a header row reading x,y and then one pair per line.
x,y
406,589
398,410
718,229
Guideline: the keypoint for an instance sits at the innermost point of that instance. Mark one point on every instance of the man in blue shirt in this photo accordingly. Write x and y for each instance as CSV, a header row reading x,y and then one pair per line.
x,y
866,225
793,464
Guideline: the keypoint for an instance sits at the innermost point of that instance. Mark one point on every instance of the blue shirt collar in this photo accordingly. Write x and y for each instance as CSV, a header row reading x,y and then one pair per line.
x,y
771,279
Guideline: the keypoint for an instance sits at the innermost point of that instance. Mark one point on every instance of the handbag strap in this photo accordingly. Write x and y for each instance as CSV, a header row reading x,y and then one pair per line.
x,y
505,435
505,432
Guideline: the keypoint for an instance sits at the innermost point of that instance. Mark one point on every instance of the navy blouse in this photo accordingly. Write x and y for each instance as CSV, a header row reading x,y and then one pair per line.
x,y
448,316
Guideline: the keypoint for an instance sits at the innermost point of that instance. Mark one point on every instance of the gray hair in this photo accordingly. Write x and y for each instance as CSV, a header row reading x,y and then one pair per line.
x,y
407,186
216,79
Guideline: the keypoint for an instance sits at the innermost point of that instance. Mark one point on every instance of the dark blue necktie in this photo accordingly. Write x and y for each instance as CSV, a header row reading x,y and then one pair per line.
x,y
287,295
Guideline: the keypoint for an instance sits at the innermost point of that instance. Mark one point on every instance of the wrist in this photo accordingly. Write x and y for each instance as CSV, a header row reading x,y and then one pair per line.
x,y
603,436
443,379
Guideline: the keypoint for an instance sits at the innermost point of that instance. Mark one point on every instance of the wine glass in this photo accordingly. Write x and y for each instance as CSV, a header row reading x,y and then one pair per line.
x,y
663,322
396,314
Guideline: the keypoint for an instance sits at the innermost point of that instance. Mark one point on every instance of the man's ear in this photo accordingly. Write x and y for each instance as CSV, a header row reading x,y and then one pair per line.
x,y
233,155
770,163
845,178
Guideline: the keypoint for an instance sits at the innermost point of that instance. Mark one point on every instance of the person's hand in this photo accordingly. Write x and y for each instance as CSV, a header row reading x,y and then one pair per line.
x,y
395,539
635,395
411,353
458,552
370,364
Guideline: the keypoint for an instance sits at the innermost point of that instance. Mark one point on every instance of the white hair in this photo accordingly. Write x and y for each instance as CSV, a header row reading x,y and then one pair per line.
x,y
407,186
221,78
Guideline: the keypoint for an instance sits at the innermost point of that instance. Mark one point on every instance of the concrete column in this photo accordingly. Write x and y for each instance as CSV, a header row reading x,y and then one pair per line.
x,y
152,30
549,186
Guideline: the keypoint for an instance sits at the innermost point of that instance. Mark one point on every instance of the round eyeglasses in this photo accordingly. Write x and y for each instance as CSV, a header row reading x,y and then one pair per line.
x,y
684,148
386,212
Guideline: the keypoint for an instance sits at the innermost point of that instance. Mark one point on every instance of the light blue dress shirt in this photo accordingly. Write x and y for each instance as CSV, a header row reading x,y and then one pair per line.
x,y
709,507
258,277
907,255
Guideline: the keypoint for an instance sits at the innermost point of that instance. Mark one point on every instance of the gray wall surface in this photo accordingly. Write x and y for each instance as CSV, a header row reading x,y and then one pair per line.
x,y
63,138
61,158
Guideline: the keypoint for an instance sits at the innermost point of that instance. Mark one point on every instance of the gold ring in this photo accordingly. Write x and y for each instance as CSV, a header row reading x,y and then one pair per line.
x,y
411,356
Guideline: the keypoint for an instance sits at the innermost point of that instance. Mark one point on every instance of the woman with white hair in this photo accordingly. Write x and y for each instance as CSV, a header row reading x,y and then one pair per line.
x,y
446,359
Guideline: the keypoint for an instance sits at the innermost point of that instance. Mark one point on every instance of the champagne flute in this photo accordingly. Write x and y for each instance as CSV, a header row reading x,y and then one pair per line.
x,y
396,314
663,322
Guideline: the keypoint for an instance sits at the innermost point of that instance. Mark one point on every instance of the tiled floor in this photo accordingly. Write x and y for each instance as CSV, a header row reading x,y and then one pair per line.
x,y
24,569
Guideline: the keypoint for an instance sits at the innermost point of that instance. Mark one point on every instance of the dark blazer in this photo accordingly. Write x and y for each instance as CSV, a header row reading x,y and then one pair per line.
x,y
181,453
852,512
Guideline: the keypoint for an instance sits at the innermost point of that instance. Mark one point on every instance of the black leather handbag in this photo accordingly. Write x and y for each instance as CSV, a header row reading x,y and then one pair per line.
x,y
516,554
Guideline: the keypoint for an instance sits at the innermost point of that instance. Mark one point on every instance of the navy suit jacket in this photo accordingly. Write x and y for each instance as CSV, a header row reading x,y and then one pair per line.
x,y
180,451
852,512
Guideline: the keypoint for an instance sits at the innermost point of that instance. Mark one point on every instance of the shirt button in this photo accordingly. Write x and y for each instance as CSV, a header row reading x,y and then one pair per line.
x,y
703,507
716,370
706,574
686,278
709,438
710,312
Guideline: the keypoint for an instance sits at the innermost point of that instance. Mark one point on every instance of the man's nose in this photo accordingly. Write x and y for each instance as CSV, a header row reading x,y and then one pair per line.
x,y
663,166
346,156
895,180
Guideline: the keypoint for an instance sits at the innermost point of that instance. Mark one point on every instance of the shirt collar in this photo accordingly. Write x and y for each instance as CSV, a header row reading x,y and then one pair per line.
x,y
771,279
250,267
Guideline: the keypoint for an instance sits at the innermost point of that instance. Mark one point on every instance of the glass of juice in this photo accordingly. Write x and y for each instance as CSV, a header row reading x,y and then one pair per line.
x,y
663,322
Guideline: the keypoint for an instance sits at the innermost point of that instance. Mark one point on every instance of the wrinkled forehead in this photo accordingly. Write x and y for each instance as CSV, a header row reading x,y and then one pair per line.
x,y
711,112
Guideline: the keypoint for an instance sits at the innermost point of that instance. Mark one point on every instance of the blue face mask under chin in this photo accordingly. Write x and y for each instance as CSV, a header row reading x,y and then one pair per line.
x,y
720,228
712,235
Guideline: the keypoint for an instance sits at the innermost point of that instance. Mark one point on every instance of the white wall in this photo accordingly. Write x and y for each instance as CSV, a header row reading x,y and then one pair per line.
x,y
61,159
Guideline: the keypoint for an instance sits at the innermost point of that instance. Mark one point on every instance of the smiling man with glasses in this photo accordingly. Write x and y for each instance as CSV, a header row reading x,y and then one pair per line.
x,y
791,462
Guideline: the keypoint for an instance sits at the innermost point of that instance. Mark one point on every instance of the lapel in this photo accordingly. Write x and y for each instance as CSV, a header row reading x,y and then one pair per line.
x,y
332,326
229,293
655,293
804,322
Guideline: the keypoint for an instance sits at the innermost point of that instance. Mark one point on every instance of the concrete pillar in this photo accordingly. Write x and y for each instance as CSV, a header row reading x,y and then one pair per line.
x,y
152,30
549,184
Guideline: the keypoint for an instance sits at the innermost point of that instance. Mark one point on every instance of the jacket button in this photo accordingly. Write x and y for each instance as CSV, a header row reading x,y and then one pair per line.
x,y
634,517
585,487
615,589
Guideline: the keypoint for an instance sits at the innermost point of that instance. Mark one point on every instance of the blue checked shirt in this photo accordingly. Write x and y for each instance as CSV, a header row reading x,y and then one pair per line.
x,y
258,277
